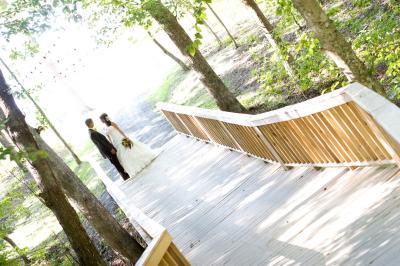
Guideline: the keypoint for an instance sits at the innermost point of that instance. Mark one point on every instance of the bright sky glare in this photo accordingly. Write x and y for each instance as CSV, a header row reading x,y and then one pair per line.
x,y
76,73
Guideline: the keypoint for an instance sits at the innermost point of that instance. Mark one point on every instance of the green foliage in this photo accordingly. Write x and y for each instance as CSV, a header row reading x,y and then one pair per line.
x,y
311,62
33,17
310,65
199,13
10,213
163,92
361,3
54,251
42,120
333,11
30,49
378,44
272,73
4,152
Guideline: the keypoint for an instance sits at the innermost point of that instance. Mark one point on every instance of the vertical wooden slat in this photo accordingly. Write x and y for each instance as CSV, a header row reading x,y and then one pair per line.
x,y
341,134
171,117
354,128
334,131
177,255
275,143
321,139
237,132
381,136
379,149
336,144
204,130
169,259
289,146
163,262
344,136
270,148
311,134
307,143
216,133
228,133
354,142
293,134
184,125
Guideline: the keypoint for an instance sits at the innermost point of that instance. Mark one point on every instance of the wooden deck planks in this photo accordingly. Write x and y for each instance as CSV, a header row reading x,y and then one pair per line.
x,y
222,207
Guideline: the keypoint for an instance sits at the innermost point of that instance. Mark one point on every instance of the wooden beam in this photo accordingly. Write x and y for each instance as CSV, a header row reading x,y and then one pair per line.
x,y
203,129
156,250
183,123
227,132
270,148
380,135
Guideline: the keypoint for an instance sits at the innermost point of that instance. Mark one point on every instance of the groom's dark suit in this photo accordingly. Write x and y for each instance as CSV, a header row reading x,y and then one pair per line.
x,y
105,147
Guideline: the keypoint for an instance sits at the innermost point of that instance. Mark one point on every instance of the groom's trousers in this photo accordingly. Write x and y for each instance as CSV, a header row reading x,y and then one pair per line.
x,y
114,160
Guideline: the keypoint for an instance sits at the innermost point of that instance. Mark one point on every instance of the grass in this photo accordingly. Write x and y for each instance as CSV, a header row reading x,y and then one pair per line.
x,y
202,99
358,20
164,92
89,177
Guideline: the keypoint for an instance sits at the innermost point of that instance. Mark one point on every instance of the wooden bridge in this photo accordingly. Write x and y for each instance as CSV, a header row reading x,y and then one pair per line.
x,y
316,183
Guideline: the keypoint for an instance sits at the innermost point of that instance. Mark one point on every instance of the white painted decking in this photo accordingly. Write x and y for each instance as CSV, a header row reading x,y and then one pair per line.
x,y
224,208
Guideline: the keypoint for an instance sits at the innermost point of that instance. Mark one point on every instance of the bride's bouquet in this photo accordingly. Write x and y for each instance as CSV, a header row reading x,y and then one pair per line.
x,y
127,143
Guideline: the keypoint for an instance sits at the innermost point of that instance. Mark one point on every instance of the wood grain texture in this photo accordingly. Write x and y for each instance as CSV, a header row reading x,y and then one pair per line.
x,y
224,208
352,126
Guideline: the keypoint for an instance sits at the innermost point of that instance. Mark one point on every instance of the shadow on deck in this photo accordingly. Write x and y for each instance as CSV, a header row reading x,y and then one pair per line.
x,y
223,207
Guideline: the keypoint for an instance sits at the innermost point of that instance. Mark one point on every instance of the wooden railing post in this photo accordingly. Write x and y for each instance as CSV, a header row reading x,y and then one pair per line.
x,y
270,148
349,127
227,132
183,123
203,129
380,135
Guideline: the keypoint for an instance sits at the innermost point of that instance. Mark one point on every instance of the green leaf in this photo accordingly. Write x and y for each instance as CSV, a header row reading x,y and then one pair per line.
x,y
191,50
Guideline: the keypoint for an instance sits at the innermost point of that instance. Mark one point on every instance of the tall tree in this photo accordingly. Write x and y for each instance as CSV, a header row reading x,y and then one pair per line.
x,y
10,212
7,144
168,53
274,40
51,192
213,33
42,113
11,242
223,24
181,7
99,217
104,223
335,45
225,99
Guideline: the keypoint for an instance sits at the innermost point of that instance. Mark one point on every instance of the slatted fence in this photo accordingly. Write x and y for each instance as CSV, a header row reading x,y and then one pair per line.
x,y
347,127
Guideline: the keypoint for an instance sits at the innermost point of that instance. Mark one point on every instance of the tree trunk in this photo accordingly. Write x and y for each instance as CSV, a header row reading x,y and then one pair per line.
x,y
76,158
274,41
173,57
225,100
17,249
213,33
223,25
50,189
7,144
335,45
105,224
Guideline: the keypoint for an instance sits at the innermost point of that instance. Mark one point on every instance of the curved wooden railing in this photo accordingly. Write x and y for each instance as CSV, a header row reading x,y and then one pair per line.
x,y
352,126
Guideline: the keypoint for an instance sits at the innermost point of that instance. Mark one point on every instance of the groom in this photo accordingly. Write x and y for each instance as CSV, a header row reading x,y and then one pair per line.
x,y
106,149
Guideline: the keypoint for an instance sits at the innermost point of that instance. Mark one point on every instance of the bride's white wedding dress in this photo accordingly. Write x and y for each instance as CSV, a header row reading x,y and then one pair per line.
x,y
133,160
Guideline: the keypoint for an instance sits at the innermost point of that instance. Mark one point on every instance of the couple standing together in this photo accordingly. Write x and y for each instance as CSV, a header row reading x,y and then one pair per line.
x,y
129,157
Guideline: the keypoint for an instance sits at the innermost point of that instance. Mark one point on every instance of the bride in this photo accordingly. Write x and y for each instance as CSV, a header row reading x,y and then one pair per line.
x,y
132,159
